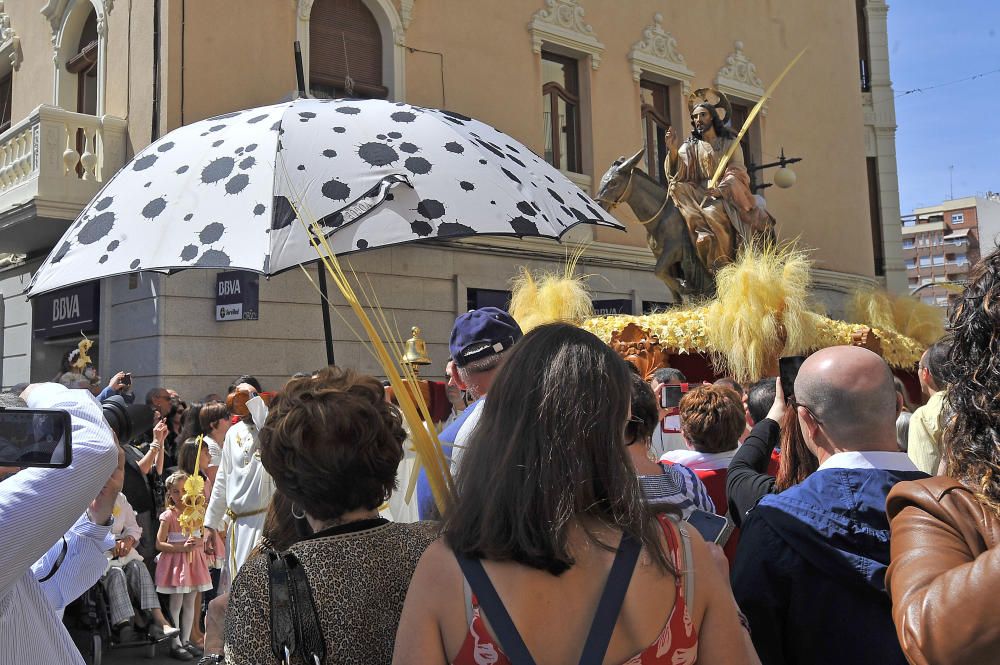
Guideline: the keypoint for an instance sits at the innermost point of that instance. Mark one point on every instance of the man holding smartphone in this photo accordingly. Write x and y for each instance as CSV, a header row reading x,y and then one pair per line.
x,y
37,507
810,570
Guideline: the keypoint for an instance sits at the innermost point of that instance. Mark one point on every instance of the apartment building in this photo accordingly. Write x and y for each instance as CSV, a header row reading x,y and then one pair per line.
x,y
942,242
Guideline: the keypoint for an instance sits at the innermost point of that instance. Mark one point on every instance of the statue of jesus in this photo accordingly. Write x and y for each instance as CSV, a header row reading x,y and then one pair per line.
x,y
721,218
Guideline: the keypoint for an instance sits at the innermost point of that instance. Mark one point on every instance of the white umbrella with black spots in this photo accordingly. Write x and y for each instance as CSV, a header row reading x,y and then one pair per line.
x,y
223,193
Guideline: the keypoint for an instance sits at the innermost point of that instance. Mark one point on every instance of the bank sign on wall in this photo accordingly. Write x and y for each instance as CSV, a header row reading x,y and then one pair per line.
x,y
67,312
237,296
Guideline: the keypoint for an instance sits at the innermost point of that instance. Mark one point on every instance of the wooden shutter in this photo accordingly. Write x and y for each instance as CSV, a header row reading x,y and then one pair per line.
x,y
334,25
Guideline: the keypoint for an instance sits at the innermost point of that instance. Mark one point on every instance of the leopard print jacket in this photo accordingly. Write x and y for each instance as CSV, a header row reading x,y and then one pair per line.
x,y
358,580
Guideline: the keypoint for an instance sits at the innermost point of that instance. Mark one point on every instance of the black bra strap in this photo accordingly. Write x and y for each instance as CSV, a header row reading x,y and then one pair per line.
x,y
503,627
610,605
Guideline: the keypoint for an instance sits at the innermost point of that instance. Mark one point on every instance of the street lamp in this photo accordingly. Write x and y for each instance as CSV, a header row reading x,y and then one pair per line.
x,y
784,177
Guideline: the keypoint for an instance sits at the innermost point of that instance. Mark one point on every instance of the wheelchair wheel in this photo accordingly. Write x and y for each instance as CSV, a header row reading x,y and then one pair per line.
x,y
98,649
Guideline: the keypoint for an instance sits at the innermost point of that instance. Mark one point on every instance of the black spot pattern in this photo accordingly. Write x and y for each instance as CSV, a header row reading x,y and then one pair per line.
x,y
523,226
259,209
211,233
247,162
154,208
417,165
217,170
403,116
362,244
330,153
188,217
237,183
144,162
134,264
454,229
348,110
163,147
61,254
189,252
377,154
336,190
213,258
408,148
96,228
555,195
526,208
181,169
430,208
510,175
466,185
256,119
113,245
421,228
104,203
454,147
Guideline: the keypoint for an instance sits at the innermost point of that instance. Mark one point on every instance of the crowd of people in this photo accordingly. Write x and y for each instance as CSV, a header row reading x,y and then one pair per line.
x,y
862,530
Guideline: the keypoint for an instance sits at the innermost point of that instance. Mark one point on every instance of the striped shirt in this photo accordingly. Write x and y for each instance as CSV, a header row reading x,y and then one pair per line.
x,y
678,490
37,507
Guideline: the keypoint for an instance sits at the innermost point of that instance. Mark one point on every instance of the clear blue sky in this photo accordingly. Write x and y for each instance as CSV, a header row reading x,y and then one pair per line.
x,y
933,42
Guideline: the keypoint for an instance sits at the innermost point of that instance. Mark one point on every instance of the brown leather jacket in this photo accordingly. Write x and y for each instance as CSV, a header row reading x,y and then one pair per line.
x,y
944,578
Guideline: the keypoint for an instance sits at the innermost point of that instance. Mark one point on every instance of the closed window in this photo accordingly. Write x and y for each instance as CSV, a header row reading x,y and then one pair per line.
x,y
957,217
345,51
561,111
908,243
925,261
911,263
655,104
939,260
5,95
960,259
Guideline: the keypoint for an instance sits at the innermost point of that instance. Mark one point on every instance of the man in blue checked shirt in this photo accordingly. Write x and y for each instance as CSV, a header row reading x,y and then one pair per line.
x,y
53,529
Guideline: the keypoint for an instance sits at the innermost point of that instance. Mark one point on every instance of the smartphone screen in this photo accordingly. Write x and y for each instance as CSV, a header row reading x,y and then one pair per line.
x,y
670,395
35,438
712,527
788,368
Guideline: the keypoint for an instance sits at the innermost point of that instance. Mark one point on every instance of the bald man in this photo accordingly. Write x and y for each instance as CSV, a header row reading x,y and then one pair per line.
x,y
810,569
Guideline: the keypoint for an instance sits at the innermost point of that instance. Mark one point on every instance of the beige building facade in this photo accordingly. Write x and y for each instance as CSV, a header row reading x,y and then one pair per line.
x,y
581,82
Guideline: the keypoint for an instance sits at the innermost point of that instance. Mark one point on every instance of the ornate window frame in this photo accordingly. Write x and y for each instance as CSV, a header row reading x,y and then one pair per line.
x,y
10,44
393,29
738,77
656,53
66,18
561,23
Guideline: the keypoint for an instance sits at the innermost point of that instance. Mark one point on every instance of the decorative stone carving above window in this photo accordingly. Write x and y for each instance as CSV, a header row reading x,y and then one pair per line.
x,y
561,23
406,12
10,43
56,10
657,53
738,77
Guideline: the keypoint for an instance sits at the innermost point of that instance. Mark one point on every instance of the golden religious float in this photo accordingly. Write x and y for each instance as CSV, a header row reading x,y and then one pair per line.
x,y
761,311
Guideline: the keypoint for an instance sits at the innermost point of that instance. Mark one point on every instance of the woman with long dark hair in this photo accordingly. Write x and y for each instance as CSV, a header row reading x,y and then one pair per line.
x,y
550,524
945,571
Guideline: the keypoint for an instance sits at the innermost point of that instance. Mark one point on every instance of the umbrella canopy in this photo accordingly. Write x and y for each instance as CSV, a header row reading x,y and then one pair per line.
x,y
223,193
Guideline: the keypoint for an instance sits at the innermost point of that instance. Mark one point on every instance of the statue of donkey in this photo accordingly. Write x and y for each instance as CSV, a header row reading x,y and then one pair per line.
x,y
677,263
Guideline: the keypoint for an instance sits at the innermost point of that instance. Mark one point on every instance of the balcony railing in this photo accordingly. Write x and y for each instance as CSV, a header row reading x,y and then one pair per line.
x,y
58,160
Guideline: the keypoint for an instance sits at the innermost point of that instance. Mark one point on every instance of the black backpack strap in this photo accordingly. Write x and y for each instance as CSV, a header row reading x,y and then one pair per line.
x,y
283,634
513,646
611,601
310,633
59,562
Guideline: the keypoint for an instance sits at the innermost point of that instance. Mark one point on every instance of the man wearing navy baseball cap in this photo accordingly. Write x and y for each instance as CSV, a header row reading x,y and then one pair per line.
x,y
479,343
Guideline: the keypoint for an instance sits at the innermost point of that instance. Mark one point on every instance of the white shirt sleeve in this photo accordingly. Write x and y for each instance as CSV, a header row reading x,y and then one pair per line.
x,y
38,506
83,565
218,502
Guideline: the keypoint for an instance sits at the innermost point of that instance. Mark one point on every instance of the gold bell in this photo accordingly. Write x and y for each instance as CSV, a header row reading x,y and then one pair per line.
x,y
416,350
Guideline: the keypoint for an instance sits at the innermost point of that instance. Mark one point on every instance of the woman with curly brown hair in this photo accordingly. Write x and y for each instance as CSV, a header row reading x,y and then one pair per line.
x,y
945,572
332,444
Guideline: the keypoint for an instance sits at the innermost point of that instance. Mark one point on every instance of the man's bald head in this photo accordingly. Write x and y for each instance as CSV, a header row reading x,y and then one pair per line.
x,y
851,392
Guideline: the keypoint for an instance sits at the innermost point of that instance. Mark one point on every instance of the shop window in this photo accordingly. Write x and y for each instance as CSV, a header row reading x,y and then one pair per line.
x,y
478,298
655,106
345,51
561,112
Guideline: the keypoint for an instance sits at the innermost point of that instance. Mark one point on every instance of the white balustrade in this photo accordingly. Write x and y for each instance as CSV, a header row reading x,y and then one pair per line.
x,y
59,158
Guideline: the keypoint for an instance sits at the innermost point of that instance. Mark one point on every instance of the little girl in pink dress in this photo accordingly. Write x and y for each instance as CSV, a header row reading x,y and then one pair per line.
x,y
181,568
